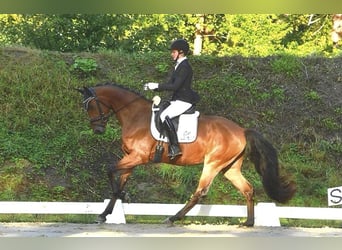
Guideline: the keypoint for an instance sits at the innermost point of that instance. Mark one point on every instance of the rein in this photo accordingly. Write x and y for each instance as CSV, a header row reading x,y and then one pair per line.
x,y
103,117
125,105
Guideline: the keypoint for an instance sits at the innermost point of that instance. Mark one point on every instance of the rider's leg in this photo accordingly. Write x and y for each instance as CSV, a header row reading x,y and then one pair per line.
x,y
174,149
176,108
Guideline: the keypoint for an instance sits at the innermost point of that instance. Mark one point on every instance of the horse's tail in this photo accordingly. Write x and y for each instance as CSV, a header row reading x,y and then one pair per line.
x,y
264,156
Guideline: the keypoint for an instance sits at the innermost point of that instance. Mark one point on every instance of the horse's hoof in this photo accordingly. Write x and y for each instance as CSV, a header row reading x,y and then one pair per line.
x,y
100,219
168,222
247,224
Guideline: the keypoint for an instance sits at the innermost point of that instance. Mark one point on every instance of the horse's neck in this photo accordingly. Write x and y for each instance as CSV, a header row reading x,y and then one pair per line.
x,y
131,110
136,112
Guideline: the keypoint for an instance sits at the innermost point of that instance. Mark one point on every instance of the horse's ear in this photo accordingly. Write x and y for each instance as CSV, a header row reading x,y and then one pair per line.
x,y
87,91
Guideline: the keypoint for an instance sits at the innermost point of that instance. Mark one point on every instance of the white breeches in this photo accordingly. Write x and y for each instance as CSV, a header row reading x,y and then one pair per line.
x,y
176,108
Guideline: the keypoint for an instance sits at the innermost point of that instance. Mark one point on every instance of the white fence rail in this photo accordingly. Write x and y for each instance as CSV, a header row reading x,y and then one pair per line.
x,y
266,214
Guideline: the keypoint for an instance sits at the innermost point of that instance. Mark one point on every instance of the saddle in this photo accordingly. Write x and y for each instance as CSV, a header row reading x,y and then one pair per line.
x,y
186,124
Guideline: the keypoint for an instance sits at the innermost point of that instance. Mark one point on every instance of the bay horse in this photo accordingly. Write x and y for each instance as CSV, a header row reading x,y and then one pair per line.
x,y
221,146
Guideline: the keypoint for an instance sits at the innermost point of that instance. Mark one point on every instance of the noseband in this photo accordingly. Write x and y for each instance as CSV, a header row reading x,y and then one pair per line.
x,y
102,116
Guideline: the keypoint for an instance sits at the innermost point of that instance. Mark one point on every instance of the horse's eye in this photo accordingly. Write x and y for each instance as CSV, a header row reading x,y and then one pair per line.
x,y
90,107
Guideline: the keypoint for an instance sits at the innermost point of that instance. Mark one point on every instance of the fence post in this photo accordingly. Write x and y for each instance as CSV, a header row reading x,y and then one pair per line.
x,y
118,214
266,215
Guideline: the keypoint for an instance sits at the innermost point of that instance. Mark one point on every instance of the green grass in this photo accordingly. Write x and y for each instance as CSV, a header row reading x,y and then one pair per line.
x,y
64,218
286,64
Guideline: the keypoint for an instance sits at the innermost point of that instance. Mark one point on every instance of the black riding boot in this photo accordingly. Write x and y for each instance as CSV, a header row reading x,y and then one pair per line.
x,y
174,149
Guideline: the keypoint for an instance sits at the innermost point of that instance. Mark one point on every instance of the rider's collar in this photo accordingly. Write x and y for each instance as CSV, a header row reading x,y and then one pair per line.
x,y
179,60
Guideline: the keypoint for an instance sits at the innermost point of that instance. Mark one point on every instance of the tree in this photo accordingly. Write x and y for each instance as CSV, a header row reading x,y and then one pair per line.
x,y
218,34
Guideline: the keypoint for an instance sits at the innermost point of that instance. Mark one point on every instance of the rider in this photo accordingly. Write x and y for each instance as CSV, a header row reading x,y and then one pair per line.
x,y
183,97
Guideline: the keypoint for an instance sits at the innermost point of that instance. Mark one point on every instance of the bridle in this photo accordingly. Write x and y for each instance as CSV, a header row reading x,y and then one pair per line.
x,y
102,116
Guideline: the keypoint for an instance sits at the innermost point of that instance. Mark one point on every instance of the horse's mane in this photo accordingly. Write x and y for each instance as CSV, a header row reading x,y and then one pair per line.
x,y
122,87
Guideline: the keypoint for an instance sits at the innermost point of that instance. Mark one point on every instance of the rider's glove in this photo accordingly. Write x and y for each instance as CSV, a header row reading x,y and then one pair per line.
x,y
151,86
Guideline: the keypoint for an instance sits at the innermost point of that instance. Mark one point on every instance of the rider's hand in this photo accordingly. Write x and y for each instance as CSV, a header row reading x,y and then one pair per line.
x,y
151,86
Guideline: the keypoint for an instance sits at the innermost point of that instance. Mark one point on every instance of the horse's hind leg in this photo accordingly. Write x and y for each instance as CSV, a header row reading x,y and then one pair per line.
x,y
239,181
208,174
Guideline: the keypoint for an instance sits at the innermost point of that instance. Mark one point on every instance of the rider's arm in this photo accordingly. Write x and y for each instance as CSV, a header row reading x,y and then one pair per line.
x,y
177,79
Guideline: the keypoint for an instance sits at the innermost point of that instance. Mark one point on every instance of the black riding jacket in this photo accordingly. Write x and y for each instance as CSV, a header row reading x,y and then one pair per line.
x,y
180,83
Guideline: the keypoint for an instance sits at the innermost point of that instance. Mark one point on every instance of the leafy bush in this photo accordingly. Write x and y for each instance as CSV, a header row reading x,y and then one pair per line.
x,y
86,65
286,64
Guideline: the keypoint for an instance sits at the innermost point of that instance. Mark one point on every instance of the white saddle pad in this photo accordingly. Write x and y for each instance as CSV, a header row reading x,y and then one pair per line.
x,y
187,128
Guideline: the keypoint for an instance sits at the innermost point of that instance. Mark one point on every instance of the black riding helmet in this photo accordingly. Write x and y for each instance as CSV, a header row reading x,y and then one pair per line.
x,y
181,45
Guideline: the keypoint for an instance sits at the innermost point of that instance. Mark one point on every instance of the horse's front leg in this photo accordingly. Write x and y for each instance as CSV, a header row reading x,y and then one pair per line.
x,y
117,187
123,169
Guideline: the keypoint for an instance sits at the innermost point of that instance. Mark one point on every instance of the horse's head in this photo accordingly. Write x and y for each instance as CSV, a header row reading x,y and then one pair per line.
x,y
98,111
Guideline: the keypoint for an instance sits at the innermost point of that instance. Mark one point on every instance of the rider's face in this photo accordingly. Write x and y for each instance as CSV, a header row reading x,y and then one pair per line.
x,y
174,54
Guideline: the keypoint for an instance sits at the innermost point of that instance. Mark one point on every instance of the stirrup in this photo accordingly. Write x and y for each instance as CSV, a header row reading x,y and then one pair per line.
x,y
174,151
158,153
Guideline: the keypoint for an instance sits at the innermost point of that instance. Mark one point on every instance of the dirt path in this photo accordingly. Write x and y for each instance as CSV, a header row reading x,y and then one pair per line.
x,y
156,230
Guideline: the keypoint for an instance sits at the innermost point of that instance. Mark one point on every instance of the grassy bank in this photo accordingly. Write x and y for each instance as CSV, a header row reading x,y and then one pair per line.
x,y
48,152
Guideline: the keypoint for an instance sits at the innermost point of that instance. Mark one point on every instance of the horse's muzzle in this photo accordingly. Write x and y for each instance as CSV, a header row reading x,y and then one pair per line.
x,y
99,129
